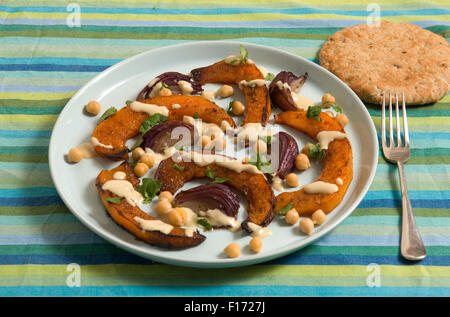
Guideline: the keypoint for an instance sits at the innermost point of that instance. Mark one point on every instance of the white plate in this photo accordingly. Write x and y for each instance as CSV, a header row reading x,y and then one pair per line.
x,y
123,81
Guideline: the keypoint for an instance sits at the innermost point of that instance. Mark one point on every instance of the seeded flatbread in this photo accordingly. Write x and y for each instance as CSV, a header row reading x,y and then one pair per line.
x,y
396,57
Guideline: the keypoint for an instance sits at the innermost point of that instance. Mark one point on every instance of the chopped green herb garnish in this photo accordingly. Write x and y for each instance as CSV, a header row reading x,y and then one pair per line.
x,y
113,200
263,166
149,189
337,108
133,164
163,85
128,102
285,209
107,114
253,85
210,174
266,138
314,112
244,54
152,121
205,224
138,143
178,167
230,107
220,180
234,61
316,152
196,115
269,77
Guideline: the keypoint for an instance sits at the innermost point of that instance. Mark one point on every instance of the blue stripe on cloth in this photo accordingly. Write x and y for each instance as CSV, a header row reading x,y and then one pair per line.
x,y
54,68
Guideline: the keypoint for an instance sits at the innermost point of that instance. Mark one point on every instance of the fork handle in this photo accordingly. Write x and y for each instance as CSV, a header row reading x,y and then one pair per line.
x,y
411,247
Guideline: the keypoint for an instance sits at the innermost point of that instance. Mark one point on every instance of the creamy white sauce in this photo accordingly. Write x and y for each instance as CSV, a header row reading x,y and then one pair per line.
x,y
149,108
208,94
154,225
249,131
224,125
320,187
277,183
119,175
236,60
96,142
123,188
176,106
282,85
301,102
202,159
160,157
263,70
152,82
254,82
218,219
186,87
204,128
258,231
155,90
325,137
88,150
339,181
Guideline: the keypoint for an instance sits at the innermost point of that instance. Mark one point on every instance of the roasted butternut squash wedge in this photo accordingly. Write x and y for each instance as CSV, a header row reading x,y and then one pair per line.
x,y
255,187
114,132
123,214
256,98
338,163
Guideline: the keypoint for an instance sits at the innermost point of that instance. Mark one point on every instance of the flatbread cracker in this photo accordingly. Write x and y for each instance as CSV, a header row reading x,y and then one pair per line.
x,y
394,57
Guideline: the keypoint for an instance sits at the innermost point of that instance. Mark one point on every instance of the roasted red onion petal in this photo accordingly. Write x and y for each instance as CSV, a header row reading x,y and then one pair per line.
x,y
282,97
209,196
167,134
288,151
171,80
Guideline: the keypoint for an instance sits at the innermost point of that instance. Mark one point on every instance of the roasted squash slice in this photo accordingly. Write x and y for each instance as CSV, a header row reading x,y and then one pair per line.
x,y
124,124
256,98
338,163
255,187
123,214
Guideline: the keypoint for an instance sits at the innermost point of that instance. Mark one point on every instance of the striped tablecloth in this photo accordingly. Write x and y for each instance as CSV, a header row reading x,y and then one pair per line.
x,y
45,57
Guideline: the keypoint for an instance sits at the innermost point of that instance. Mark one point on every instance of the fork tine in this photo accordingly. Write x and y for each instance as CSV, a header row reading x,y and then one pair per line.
x,y
405,122
383,122
397,116
391,129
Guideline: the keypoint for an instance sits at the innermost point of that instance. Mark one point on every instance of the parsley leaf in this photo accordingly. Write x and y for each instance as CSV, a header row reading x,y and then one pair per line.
x,y
285,209
337,108
178,167
219,180
253,85
266,138
314,112
128,102
107,114
316,153
210,174
269,77
244,54
113,200
205,224
230,108
149,189
196,115
152,121
163,85
263,166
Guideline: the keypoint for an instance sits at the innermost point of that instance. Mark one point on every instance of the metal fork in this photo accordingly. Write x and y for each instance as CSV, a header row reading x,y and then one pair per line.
x,y
411,246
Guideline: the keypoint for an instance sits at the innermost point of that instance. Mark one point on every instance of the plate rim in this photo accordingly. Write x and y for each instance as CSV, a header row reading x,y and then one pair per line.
x,y
218,262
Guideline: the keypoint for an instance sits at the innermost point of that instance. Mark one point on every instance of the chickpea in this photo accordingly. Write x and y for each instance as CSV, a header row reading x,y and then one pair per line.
x,y
306,226
342,119
302,161
238,108
163,207
318,217
256,244
137,153
328,100
165,195
93,107
177,216
140,169
148,159
165,92
75,155
260,147
206,141
292,180
208,94
306,150
225,91
291,217
233,250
